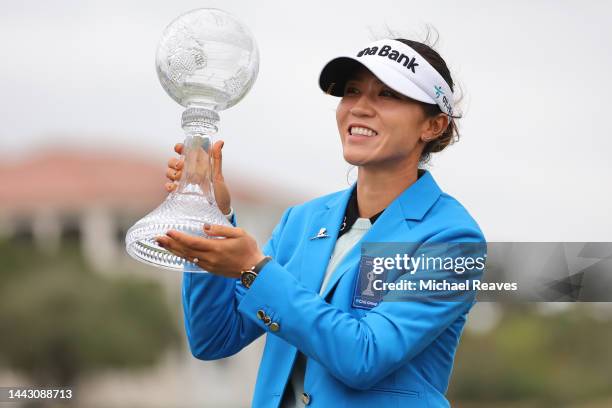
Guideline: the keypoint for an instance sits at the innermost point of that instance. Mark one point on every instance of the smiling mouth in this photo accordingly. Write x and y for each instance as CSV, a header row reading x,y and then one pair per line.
x,y
361,131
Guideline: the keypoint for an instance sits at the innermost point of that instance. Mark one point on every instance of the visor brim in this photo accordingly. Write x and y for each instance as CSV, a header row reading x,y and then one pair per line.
x,y
338,71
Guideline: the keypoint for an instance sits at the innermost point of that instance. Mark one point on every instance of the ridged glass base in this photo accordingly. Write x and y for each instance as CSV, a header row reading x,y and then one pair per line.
x,y
182,212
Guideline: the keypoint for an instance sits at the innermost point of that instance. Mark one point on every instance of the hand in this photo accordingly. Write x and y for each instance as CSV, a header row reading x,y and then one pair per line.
x,y
222,194
225,257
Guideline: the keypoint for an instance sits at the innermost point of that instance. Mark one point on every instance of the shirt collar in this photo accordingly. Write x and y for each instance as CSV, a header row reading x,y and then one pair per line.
x,y
352,213
352,210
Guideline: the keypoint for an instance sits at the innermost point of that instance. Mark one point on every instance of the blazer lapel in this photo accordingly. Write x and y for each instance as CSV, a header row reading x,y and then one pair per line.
x,y
319,247
391,226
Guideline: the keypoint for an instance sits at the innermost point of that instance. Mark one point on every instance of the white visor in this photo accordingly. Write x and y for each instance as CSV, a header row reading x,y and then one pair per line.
x,y
398,66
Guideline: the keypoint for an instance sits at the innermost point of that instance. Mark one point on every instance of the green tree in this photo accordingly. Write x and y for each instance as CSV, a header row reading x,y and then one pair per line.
x,y
60,320
543,360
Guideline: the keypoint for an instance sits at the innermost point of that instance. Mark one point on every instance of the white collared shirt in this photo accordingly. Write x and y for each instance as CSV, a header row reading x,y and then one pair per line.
x,y
343,246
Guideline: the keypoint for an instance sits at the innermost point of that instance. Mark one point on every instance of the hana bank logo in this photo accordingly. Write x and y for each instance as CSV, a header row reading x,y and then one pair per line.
x,y
438,90
445,101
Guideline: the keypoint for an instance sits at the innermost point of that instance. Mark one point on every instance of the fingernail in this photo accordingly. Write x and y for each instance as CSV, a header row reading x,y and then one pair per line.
x,y
206,226
170,234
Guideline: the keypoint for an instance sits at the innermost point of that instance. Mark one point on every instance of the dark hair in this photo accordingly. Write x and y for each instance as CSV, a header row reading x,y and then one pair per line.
x,y
451,134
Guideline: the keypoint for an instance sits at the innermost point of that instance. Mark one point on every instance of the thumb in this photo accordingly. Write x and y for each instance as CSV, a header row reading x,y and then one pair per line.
x,y
218,159
222,231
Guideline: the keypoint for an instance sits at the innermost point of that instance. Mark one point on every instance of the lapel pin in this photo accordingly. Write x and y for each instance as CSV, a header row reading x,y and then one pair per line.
x,y
321,234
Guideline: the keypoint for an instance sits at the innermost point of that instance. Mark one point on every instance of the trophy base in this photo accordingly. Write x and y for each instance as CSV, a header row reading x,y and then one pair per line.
x,y
183,212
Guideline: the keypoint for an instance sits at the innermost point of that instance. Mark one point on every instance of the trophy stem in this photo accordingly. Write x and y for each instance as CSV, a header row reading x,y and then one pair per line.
x,y
200,125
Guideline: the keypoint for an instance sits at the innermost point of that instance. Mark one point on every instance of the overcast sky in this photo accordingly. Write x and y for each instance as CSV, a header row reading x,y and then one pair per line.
x,y
533,162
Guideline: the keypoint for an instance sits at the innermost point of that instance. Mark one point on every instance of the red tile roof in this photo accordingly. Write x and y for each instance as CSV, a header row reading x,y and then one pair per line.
x,y
72,180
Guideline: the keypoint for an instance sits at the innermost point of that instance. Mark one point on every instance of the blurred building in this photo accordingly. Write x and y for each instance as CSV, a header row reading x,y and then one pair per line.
x,y
94,197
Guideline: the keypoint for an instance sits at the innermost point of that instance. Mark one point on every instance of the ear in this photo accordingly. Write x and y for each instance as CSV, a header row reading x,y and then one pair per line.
x,y
434,127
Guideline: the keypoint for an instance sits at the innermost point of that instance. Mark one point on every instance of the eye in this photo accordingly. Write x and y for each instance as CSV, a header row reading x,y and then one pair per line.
x,y
389,94
350,90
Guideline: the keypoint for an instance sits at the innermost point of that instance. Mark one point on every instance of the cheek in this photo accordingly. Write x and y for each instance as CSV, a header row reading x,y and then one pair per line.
x,y
403,134
405,126
341,113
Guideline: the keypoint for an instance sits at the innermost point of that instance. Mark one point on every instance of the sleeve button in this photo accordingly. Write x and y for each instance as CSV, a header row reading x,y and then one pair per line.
x,y
274,326
267,320
261,314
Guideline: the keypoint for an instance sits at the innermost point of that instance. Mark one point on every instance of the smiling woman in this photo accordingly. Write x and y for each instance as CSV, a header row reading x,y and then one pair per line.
x,y
444,127
324,348
380,126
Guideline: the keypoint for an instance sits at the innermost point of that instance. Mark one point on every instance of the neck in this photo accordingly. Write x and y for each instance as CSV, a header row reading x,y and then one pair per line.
x,y
378,187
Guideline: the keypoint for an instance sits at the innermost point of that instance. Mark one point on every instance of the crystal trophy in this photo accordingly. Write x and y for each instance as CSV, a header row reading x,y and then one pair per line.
x,y
206,61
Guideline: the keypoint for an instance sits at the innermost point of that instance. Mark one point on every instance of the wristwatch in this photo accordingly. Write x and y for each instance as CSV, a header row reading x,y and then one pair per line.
x,y
248,276
229,215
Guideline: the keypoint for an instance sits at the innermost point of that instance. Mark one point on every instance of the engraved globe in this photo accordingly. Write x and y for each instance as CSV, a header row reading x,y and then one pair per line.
x,y
207,61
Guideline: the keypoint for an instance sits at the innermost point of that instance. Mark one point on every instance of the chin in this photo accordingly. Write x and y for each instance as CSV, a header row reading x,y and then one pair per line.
x,y
360,155
355,159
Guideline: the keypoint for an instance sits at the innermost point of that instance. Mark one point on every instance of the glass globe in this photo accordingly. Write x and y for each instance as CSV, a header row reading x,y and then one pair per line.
x,y
207,58
207,61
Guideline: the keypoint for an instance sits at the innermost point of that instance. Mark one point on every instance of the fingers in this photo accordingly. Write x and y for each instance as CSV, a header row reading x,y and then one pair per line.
x,y
187,244
225,257
170,186
173,175
176,243
223,231
178,148
171,245
175,247
176,163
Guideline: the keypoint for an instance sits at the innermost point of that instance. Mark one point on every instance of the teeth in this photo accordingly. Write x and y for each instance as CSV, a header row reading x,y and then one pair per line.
x,y
362,131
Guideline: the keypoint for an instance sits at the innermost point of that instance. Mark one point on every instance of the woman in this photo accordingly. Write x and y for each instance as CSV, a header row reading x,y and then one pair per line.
x,y
323,348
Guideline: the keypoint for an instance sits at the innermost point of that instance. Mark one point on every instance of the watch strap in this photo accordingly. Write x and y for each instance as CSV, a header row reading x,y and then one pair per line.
x,y
259,266
248,276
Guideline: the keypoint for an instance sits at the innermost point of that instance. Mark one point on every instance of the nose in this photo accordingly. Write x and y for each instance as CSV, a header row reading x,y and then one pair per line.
x,y
362,106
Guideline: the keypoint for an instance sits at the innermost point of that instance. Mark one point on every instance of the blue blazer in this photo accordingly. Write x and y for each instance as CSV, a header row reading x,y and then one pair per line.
x,y
395,354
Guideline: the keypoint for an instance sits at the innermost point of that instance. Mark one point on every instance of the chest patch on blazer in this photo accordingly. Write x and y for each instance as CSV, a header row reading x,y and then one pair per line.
x,y
365,295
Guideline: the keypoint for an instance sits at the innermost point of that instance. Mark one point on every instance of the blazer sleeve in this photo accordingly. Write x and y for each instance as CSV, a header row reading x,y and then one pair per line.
x,y
215,329
358,351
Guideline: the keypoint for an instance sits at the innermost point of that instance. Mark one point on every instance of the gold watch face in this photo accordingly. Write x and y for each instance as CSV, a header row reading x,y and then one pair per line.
x,y
247,278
